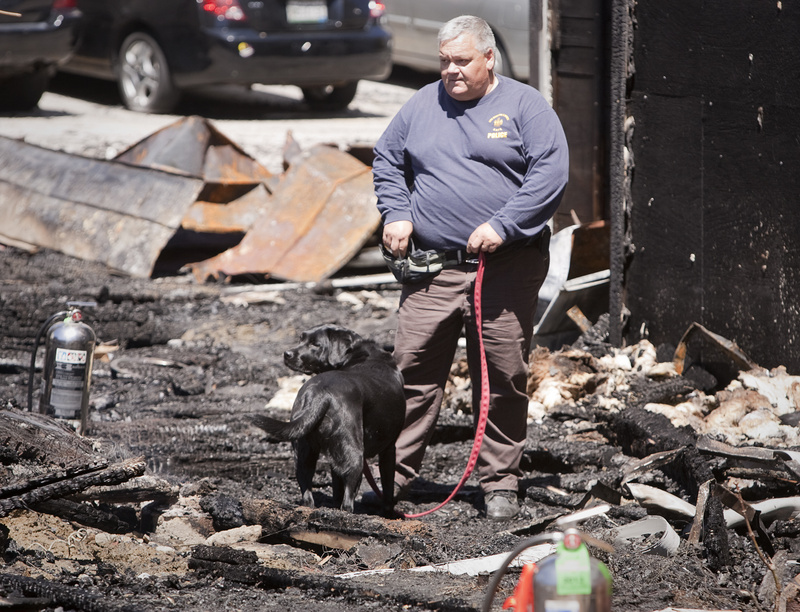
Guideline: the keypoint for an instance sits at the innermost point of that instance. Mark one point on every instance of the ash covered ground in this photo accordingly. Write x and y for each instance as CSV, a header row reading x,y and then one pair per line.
x,y
195,363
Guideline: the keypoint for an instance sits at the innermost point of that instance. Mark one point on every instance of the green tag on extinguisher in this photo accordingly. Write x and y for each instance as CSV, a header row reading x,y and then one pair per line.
x,y
573,571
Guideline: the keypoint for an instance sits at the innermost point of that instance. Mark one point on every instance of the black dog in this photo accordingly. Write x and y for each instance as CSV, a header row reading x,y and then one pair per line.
x,y
354,408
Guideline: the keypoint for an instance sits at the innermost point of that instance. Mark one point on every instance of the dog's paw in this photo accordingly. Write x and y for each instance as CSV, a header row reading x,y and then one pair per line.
x,y
308,499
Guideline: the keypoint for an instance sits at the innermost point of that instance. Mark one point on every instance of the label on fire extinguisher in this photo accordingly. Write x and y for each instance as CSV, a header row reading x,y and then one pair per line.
x,y
69,375
573,571
72,356
562,605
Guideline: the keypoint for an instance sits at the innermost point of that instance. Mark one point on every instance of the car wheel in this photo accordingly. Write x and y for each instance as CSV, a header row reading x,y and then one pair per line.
x,y
330,97
22,92
145,82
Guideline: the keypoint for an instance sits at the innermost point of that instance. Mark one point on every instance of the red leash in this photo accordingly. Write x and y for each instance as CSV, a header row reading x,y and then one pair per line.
x,y
484,409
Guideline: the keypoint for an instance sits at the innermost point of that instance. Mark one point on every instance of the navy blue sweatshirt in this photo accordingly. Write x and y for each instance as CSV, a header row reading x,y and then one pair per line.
x,y
449,166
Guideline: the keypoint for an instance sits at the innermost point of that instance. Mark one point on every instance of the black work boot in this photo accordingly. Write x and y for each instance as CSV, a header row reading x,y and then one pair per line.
x,y
502,505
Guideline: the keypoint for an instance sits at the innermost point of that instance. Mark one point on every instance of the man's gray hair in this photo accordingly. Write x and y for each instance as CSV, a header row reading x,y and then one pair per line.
x,y
469,24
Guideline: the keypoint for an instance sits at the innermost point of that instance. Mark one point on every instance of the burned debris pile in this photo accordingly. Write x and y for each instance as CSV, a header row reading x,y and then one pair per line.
x,y
174,499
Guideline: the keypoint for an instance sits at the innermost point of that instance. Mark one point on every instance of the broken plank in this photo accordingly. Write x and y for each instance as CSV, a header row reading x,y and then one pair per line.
x,y
84,514
324,540
111,475
42,439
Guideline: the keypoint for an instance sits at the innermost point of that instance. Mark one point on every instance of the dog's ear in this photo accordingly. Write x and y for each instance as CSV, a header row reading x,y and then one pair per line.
x,y
341,342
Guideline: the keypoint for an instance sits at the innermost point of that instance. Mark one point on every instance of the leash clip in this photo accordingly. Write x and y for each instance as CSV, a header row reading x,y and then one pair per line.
x,y
462,257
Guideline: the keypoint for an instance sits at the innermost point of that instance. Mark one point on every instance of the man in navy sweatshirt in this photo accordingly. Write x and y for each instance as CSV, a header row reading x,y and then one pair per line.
x,y
473,163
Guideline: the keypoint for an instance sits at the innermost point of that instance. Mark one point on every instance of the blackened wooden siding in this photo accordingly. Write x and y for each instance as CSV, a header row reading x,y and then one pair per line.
x,y
715,216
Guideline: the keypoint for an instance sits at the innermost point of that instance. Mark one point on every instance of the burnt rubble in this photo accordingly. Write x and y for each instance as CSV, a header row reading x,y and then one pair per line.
x,y
173,499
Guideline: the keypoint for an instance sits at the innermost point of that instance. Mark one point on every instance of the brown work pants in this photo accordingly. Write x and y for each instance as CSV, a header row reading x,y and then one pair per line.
x,y
431,317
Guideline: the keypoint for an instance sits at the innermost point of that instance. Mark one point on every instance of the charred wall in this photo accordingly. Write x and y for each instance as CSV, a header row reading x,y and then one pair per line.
x,y
714,217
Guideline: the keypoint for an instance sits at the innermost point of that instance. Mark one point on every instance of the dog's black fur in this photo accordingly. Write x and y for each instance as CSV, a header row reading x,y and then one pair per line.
x,y
352,409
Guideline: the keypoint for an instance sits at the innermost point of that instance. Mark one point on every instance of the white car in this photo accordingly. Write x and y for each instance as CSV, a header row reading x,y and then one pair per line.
x,y
415,25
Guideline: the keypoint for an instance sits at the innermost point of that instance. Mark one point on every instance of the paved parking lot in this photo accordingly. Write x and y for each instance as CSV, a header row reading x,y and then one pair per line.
x,y
86,117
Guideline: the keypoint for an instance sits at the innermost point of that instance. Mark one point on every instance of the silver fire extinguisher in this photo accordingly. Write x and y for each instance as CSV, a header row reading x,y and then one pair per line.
x,y
569,580
67,370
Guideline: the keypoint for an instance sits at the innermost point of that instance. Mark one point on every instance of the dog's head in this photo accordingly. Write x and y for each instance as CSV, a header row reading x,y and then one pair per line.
x,y
322,348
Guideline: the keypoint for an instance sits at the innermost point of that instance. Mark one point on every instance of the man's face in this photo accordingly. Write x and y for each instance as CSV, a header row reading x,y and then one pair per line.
x,y
466,72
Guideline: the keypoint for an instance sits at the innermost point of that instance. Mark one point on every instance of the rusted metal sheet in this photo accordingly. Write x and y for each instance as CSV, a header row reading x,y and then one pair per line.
x,y
318,218
728,347
192,145
235,216
94,210
124,212
228,165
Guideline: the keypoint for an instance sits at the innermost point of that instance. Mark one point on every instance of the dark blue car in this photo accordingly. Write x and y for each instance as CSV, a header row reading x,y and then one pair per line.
x,y
35,37
155,49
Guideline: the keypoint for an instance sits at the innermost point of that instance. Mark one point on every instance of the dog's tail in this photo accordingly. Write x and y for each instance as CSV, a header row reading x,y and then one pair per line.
x,y
308,417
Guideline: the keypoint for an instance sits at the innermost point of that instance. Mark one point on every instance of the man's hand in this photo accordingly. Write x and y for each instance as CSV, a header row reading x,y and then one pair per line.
x,y
396,235
484,238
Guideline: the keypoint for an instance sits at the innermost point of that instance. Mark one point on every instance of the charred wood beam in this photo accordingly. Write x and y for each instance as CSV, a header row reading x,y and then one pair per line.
x,y
37,437
363,526
52,477
274,517
223,554
712,525
702,503
278,519
565,412
84,514
752,516
59,595
144,488
236,568
641,433
242,567
63,488
670,391
693,470
566,459
761,474
651,462
620,204
714,447
23,604
780,464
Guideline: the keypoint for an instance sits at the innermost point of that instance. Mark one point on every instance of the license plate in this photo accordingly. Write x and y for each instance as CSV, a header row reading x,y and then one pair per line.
x,y
314,11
